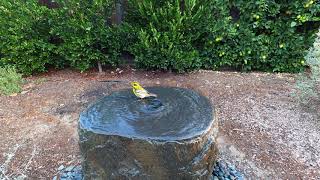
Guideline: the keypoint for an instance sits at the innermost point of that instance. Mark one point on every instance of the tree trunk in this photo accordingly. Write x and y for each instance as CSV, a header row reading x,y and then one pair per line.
x,y
100,67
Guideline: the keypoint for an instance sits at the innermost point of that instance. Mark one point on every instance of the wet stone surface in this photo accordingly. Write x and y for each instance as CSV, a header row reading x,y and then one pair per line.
x,y
173,135
176,114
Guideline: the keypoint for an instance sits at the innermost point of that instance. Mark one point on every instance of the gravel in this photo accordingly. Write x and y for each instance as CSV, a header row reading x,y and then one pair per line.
x,y
69,173
221,171
226,171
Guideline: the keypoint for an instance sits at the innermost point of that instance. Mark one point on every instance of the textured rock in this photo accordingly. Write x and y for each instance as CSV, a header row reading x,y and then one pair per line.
x,y
122,137
223,170
70,173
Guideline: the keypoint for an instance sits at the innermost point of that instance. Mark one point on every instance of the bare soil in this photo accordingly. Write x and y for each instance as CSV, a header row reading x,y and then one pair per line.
x,y
264,130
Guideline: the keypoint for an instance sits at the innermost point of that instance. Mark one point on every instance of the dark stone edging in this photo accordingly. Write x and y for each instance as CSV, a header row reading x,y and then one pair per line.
x,y
221,171
226,171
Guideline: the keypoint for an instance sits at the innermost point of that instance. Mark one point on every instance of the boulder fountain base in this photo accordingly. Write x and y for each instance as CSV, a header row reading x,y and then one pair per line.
x,y
171,137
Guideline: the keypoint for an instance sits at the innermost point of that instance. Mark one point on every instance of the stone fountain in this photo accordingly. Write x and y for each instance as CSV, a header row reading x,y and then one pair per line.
x,y
170,137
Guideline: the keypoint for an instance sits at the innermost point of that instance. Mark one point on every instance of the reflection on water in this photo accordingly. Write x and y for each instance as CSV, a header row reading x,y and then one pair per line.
x,y
175,114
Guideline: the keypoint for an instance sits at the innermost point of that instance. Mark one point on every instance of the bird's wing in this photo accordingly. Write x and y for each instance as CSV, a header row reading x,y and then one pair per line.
x,y
142,93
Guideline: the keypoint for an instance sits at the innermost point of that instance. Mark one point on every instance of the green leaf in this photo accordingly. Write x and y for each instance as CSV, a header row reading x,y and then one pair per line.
x,y
293,24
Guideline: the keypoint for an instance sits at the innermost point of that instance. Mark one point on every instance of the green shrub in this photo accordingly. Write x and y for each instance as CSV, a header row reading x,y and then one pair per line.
x,y
168,32
247,35
24,35
86,34
268,36
10,81
180,35
77,34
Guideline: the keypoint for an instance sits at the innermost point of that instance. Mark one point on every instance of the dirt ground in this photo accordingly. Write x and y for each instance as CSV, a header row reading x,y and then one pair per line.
x,y
264,131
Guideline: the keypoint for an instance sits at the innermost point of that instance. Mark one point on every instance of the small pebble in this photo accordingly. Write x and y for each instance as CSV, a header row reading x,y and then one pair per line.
x,y
24,92
21,177
78,177
64,175
61,167
215,178
69,168
69,174
232,167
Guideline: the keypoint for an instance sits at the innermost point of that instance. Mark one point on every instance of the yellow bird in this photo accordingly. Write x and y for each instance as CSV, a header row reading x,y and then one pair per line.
x,y
140,91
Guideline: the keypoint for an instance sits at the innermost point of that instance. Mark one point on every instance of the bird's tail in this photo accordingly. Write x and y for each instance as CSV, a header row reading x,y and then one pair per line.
x,y
152,95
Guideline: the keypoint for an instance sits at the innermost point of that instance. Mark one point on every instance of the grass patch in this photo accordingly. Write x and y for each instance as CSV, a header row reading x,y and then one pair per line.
x,y
40,81
308,84
10,81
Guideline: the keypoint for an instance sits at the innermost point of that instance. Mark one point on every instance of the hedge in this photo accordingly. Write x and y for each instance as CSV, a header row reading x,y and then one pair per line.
x,y
178,35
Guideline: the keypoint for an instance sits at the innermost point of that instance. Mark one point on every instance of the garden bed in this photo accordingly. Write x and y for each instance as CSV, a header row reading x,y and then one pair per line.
x,y
264,130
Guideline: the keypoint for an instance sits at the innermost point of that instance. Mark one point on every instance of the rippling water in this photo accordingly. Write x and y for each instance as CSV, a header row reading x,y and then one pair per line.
x,y
175,114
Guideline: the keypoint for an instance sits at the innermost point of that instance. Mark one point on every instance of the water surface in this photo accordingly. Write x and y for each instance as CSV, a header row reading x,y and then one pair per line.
x,y
176,114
